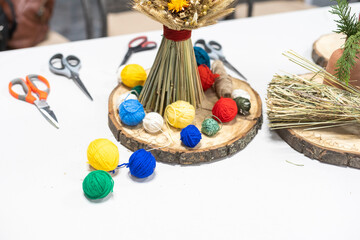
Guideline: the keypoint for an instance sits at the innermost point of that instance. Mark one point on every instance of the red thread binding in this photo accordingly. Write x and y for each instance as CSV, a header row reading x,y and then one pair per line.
x,y
175,35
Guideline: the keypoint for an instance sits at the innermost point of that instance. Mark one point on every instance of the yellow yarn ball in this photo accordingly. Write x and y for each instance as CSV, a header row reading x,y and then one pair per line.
x,y
179,114
103,154
133,75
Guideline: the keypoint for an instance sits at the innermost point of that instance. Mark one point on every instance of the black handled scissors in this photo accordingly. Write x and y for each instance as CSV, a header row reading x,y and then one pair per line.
x,y
144,45
214,49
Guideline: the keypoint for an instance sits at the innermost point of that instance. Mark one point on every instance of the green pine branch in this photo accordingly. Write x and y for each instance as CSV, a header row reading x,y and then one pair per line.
x,y
348,59
347,23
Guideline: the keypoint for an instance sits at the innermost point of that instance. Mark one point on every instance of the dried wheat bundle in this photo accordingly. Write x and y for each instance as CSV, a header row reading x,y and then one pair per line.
x,y
294,101
174,75
184,14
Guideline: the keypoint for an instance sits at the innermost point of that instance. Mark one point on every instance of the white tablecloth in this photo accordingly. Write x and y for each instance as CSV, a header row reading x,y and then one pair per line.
x,y
254,194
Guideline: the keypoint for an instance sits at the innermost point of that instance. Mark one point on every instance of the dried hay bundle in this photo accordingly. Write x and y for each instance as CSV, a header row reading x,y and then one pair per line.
x,y
294,101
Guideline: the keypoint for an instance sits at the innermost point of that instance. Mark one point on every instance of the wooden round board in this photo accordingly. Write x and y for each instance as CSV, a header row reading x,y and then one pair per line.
x,y
336,145
233,137
325,46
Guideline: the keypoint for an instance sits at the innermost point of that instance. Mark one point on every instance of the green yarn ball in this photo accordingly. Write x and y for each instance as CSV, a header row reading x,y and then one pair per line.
x,y
98,184
210,127
136,89
243,105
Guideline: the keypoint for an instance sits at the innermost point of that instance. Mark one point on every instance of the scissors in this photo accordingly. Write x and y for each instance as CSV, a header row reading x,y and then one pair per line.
x,y
214,49
144,45
69,67
30,89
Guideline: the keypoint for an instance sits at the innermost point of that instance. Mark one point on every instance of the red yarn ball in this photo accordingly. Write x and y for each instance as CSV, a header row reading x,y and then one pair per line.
x,y
206,76
225,109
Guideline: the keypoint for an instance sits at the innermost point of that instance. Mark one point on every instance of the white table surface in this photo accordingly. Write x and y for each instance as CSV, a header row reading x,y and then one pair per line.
x,y
254,194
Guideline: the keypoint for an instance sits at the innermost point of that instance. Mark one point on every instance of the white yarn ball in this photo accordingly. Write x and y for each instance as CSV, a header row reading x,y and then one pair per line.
x,y
124,96
153,122
240,93
118,72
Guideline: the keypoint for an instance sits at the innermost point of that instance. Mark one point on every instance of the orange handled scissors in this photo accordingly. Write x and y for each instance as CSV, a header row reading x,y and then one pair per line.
x,y
30,89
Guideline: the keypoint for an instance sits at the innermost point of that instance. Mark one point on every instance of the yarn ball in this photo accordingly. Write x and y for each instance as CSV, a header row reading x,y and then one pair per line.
x,y
153,122
240,93
179,114
131,112
210,127
225,109
136,90
190,136
243,105
98,184
124,96
102,154
133,75
206,76
201,56
142,164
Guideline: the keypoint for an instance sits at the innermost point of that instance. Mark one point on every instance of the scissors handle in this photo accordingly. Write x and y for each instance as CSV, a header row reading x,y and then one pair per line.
x,y
73,63
27,97
30,80
203,44
145,46
64,66
213,48
142,38
56,65
215,45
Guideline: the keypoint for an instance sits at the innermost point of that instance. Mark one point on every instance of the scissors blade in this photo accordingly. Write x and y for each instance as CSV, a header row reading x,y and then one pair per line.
x,y
80,84
126,58
45,110
231,67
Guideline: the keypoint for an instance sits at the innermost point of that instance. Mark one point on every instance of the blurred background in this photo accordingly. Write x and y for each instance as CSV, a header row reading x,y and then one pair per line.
x,y
86,19
77,20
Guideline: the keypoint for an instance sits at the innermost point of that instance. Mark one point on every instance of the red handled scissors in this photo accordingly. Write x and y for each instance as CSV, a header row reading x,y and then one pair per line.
x,y
30,89
143,45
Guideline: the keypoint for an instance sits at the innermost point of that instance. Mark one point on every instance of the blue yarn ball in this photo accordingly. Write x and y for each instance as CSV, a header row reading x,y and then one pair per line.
x,y
201,56
131,112
190,136
142,164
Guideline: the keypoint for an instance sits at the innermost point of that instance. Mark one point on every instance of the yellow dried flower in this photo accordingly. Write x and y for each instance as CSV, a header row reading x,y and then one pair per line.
x,y
177,5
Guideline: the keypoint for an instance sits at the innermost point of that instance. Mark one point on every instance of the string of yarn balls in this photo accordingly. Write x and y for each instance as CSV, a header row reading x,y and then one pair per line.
x,y
240,93
124,96
141,164
202,57
206,76
179,114
98,184
136,90
225,109
190,136
102,154
133,75
131,112
210,127
153,122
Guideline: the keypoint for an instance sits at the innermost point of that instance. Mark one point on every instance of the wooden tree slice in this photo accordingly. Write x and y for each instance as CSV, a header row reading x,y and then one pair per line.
x,y
336,145
325,46
233,137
